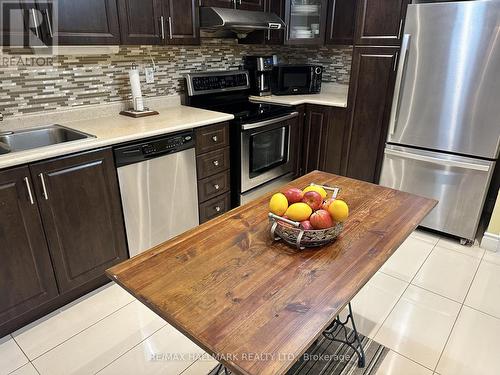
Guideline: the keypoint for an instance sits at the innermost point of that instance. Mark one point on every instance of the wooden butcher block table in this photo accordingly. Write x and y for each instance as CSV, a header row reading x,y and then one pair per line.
x,y
240,296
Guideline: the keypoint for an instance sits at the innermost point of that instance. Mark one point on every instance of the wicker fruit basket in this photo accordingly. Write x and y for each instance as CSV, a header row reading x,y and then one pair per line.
x,y
291,232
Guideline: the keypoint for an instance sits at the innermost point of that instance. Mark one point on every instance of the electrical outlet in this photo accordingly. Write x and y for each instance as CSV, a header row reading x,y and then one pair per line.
x,y
150,75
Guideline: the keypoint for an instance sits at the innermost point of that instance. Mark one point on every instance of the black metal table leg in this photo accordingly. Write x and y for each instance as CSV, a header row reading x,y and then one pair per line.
x,y
338,325
220,370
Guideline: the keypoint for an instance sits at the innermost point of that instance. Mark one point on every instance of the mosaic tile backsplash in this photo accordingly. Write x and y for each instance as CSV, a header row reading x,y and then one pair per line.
x,y
95,79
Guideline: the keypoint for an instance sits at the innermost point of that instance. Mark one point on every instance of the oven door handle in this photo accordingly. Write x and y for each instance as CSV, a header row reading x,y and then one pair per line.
x,y
269,122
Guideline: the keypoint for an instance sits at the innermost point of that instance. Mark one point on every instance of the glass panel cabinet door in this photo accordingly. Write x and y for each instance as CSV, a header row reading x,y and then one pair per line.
x,y
306,21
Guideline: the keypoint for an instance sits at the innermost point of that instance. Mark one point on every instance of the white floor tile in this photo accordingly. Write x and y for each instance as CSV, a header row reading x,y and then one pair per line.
x,y
375,301
492,256
100,344
27,369
484,294
448,273
473,346
395,364
424,235
11,356
55,328
201,367
165,352
406,261
454,244
419,325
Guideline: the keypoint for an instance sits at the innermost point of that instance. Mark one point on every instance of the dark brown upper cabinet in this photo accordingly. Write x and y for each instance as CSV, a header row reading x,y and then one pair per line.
x,y
380,22
237,4
26,274
82,22
369,102
140,21
257,5
340,22
218,3
81,211
306,22
270,37
159,22
183,22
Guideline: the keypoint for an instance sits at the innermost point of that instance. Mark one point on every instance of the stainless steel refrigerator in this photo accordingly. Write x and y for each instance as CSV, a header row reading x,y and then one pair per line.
x,y
444,130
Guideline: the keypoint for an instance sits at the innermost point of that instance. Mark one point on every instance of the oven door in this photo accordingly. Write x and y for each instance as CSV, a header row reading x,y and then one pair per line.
x,y
268,150
293,80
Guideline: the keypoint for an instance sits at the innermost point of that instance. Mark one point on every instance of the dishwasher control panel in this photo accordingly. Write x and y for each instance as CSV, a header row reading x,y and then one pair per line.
x,y
154,147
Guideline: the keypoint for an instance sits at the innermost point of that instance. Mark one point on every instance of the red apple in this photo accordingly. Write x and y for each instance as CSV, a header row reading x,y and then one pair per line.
x,y
313,199
321,219
327,204
306,224
293,195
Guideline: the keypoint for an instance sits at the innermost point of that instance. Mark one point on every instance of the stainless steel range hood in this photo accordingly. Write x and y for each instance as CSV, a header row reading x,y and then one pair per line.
x,y
239,21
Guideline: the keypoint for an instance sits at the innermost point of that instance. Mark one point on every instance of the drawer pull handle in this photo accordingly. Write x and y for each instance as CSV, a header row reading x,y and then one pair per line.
x,y
216,163
215,138
217,208
216,187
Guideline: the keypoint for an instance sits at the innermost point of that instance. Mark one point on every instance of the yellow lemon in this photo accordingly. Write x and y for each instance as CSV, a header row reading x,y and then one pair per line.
x,y
317,189
339,210
278,204
299,212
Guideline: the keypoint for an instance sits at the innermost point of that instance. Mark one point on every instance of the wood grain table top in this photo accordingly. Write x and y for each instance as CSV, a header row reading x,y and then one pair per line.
x,y
256,304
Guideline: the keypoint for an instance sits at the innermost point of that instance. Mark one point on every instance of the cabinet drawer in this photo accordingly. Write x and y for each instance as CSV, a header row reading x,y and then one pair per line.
x,y
213,137
212,163
214,207
212,186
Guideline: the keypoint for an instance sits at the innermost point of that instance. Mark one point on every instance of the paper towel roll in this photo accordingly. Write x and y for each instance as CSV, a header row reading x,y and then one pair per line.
x,y
135,84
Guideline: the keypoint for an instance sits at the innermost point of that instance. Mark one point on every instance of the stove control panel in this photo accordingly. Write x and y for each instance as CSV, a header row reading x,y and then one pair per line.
x,y
205,83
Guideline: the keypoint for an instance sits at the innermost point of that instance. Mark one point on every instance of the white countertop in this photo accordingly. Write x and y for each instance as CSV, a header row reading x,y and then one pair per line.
x,y
115,129
333,95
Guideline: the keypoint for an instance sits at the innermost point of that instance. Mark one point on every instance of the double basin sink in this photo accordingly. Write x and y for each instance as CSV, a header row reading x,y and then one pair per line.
x,y
38,137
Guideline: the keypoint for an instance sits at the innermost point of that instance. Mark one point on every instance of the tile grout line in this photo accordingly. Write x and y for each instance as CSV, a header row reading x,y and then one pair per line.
x,y
404,291
458,315
482,312
79,332
128,350
21,349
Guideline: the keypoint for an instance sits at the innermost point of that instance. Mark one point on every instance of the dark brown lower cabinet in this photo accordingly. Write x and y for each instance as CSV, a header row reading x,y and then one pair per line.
x,y
82,216
322,138
370,99
26,276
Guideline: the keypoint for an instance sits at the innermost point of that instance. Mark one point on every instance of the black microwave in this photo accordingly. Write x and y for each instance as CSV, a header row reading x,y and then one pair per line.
x,y
296,79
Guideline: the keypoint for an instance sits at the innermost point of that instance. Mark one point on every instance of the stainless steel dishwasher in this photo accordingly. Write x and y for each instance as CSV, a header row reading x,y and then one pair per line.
x,y
158,189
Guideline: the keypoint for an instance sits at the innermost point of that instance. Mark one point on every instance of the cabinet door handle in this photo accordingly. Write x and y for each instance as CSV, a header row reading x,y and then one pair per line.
x,y
400,28
216,187
49,22
215,138
45,195
162,24
28,187
35,22
216,163
217,208
170,28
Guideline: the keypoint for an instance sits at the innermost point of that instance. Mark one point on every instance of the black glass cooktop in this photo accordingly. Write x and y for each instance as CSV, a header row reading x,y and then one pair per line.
x,y
250,112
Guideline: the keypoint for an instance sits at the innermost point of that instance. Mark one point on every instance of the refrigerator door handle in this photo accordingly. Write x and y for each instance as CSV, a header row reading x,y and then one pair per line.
x,y
399,80
443,162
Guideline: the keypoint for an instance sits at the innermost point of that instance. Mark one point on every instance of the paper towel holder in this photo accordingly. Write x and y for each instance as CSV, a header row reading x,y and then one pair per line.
x,y
138,101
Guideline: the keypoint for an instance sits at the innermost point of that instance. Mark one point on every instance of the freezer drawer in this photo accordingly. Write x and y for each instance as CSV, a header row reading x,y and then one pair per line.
x,y
459,184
